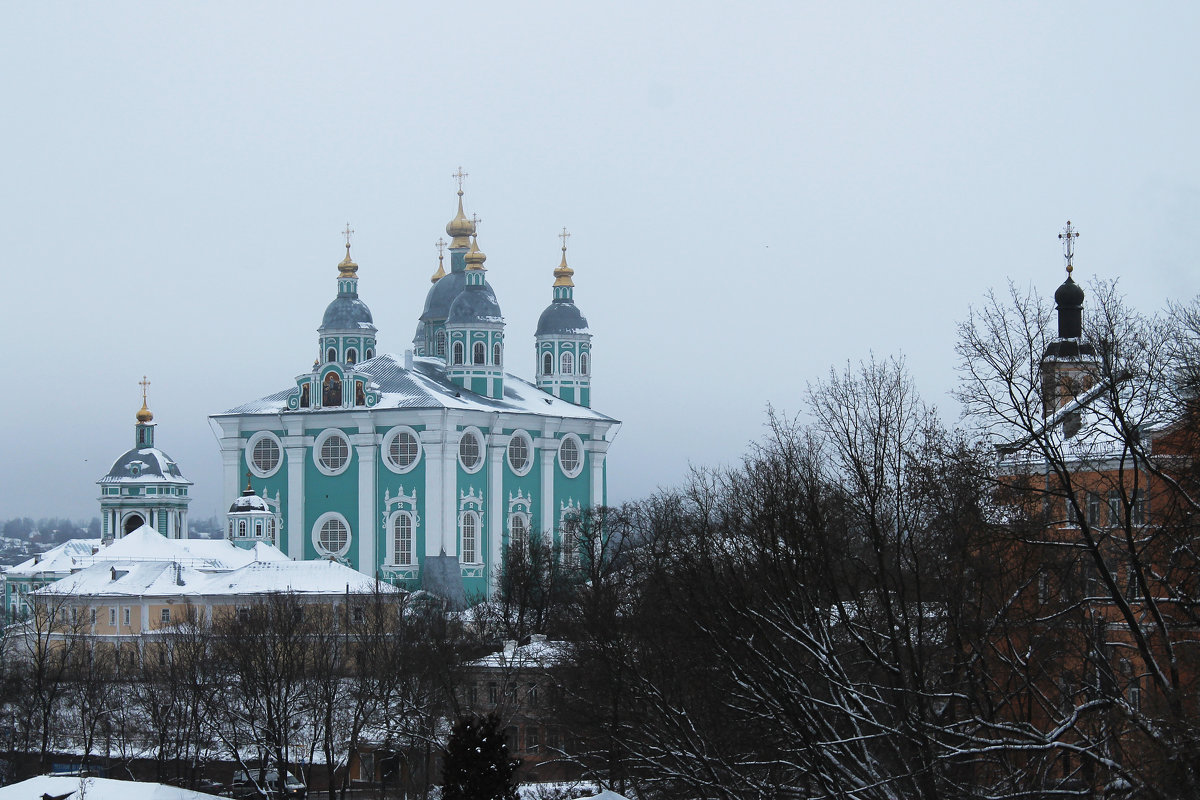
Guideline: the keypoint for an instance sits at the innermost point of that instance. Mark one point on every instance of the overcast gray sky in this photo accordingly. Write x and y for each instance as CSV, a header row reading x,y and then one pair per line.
x,y
755,192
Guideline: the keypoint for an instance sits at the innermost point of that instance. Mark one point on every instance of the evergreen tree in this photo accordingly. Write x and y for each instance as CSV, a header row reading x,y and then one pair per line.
x,y
478,766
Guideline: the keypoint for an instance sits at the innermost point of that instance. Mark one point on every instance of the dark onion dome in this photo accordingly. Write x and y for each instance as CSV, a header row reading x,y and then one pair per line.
x,y
443,294
248,502
347,313
475,304
143,464
561,317
1069,295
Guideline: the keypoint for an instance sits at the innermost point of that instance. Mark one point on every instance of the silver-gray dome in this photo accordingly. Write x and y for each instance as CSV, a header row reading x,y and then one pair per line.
x,y
474,304
347,312
144,464
561,317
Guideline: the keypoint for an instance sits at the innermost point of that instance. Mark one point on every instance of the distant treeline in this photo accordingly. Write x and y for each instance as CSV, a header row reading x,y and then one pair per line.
x,y
55,530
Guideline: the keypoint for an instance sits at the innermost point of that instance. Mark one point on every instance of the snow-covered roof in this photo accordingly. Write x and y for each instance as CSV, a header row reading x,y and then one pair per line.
x,y
1087,428
172,579
146,545
248,502
74,788
540,653
145,465
60,558
427,386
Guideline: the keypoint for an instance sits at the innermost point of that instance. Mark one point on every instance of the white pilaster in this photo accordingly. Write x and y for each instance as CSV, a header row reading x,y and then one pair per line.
x,y
294,529
495,505
231,461
434,443
367,524
598,452
548,448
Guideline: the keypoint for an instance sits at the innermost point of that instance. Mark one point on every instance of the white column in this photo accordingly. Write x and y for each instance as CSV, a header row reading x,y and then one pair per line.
x,y
495,506
434,443
548,448
449,522
293,524
598,452
367,524
231,460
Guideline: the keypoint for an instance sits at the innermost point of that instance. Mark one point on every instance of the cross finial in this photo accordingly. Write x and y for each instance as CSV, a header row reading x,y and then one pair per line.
x,y
143,383
459,176
564,236
441,246
475,220
1068,237
348,233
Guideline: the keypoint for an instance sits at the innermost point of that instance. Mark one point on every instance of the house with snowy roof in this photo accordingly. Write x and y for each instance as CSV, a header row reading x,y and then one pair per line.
x,y
419,468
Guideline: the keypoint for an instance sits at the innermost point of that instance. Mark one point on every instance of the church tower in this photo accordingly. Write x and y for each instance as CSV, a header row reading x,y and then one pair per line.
x,y
475,332
562,341
347,332
144,486
1068,365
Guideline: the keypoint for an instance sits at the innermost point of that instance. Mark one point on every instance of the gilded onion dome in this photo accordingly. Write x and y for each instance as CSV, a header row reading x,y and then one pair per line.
x,y
347,268
144,414
562,275
475,256
459,228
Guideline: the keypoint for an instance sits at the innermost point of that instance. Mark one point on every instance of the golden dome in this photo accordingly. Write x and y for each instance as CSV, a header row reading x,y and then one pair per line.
x,y
563,273
460,227
441,271
347,268
475,256
144,414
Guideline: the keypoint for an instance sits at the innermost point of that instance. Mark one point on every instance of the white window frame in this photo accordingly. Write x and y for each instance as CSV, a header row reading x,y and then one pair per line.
x,y
476,536
316,534
497,353
579,449
325,436
525,437
566,363
584,363
252,443
547,360
479,440
439,344
478,354
521,517
458,353
385,450
393,545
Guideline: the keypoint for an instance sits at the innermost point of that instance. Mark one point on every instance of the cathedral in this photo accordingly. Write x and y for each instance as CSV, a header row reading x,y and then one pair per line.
x,y
418,468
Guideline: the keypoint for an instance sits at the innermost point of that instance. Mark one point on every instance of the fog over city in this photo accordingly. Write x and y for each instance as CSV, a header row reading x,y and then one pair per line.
x,y
754,193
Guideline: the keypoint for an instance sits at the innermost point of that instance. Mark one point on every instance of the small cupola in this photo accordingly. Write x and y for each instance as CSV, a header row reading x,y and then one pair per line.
x,y
562,340
1068,366
347,332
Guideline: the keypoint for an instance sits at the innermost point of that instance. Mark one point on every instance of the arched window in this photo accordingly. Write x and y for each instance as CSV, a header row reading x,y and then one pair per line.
x,y
351,356
331,355
230,529
568,363
271,529
458,353
517,529
470,537
370,354
583,363
479,353
496,353
441,344
402,532
547,363
258,529
242,527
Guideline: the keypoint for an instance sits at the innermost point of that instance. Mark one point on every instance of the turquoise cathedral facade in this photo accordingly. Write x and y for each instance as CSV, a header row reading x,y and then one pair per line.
x,y
419,468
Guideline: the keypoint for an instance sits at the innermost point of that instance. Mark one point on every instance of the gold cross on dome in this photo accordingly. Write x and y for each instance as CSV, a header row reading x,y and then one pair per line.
x,y
475,220
1068,237
440,244
564,236
143,383
459,176
348,233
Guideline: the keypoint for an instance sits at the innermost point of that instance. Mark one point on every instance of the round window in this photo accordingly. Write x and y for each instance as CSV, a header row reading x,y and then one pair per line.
x,y
469,451
401,449
568,456
332,452
333,536
518,453
265,455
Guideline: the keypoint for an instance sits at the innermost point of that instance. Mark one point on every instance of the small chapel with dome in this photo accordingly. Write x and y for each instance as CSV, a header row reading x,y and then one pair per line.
x,y
419,468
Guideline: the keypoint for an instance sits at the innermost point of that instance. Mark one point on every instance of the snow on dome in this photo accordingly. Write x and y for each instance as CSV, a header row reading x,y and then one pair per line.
x,y
248,502
145,465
